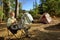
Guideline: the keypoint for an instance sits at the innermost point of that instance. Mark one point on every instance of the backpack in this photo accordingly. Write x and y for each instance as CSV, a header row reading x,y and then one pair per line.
x,y
14,28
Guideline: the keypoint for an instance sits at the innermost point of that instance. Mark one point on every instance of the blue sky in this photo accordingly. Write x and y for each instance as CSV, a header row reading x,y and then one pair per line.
x,y
27,4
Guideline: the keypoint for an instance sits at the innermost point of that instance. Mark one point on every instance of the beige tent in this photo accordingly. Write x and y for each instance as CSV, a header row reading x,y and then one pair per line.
x,y
45,18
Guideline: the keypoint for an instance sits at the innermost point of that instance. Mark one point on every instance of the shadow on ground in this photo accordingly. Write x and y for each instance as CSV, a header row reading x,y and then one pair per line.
x,y
53,27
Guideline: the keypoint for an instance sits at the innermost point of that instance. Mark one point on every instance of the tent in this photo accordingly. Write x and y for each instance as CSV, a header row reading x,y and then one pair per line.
x,y
29,16
45,18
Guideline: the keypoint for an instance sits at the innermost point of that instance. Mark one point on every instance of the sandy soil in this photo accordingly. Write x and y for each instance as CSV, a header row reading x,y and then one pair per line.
x,y
38,31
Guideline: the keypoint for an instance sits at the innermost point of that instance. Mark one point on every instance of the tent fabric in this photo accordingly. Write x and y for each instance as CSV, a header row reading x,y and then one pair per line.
x,y
30,16
26,19
45,18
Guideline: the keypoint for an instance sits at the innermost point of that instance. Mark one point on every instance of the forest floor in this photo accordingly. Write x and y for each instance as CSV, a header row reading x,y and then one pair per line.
x,y
38,31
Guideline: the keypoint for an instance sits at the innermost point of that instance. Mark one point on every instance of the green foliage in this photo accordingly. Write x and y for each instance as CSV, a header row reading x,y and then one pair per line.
x,y
33,13
12,4
1,14
35,10
50,6
19,16
9,5
20,7
6,7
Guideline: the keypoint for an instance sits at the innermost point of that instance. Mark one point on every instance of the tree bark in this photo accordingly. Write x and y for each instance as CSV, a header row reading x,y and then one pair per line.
x,y
16,9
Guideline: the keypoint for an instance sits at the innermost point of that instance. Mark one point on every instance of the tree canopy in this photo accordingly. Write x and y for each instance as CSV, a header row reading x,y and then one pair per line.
x,y
50,6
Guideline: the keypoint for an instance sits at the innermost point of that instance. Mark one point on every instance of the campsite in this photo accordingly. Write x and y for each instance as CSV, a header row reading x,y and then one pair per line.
x,y
37,31
29,19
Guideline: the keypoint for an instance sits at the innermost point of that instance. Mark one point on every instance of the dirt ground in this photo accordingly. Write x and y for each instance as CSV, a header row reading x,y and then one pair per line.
x,y
38,31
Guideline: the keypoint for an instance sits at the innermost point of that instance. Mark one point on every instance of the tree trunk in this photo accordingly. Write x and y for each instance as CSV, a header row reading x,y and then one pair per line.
x,y
16,9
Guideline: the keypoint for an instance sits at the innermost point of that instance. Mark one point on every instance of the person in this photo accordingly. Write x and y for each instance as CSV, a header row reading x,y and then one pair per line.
x,y
11,21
